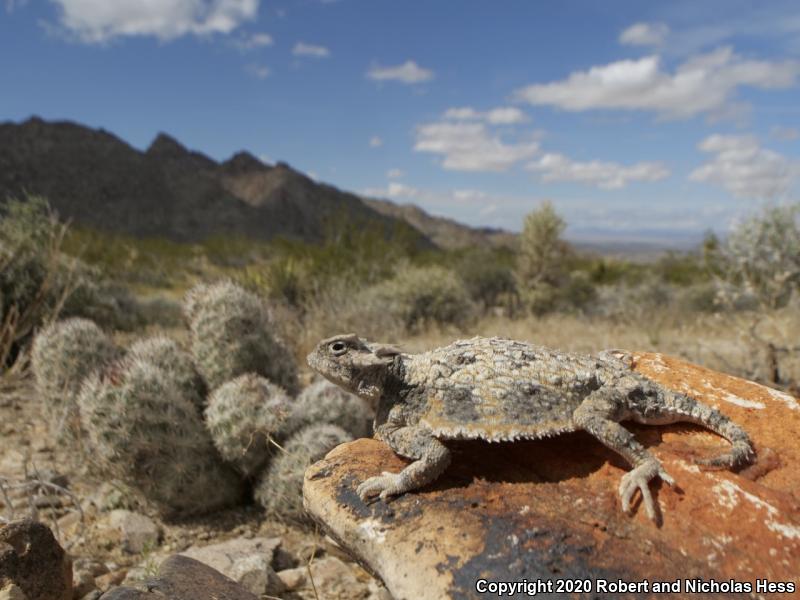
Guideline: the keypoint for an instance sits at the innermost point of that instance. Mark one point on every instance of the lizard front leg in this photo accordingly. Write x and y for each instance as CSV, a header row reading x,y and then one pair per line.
x,y
431,459
598,415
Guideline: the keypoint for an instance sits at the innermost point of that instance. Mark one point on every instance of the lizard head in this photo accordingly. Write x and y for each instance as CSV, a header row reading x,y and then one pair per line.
x,y
353,364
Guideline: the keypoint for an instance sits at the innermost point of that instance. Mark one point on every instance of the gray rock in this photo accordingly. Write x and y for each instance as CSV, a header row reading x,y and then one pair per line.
x,y
31,558
127,593
183,578
246,561
139,533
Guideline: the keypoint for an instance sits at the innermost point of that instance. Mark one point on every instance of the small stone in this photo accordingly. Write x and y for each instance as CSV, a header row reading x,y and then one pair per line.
x,y
69,524
93,595
104,582
294,579
12,592
246,561
95,567
82,583
139,533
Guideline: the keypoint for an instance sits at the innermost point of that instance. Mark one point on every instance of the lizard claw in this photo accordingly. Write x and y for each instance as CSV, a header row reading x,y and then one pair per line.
x,y
386,484
639,479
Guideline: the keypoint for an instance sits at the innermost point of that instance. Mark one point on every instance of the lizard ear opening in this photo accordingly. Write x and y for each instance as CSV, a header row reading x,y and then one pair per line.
x,y
385,350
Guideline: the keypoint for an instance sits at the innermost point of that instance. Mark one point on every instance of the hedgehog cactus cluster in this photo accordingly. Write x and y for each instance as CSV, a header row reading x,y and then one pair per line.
x,y
146,432
232,334
63,354
194,431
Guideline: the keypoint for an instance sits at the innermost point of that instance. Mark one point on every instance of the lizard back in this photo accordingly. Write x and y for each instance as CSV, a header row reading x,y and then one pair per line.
x,y
498,390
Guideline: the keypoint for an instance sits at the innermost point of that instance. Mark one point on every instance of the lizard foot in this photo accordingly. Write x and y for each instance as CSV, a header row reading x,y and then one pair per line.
x,y
386,484
639,479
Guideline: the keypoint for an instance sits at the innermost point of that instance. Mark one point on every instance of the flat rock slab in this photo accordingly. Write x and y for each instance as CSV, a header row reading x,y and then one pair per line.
x,y
548,509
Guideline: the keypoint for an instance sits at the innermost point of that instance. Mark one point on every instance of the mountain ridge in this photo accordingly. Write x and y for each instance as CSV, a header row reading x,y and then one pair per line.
x,y
93,178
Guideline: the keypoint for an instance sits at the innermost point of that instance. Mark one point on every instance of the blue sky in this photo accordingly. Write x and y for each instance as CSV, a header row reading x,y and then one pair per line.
x,y
638,120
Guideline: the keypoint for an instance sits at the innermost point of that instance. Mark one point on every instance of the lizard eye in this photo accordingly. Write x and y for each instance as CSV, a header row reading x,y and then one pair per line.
x,y
338,348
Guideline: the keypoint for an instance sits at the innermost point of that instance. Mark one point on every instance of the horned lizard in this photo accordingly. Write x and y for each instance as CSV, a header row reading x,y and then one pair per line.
x,y
496,389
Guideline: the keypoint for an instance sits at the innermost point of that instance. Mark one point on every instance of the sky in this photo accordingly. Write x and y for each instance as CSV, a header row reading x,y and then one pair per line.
x,y
639,121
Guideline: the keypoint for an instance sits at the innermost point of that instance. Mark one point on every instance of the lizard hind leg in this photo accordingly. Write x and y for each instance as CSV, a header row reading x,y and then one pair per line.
x,y
597,415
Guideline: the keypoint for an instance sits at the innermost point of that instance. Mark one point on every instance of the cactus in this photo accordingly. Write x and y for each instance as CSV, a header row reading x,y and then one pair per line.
x,y
146,433
243,415
280,488
165,353
325,402
232,334
63,354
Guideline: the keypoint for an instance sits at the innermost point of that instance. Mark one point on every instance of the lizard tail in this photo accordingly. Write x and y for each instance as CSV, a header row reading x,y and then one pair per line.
x,y
741,451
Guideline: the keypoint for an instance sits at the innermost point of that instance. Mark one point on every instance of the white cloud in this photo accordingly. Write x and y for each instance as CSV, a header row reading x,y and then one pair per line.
x,y
375,142
96,21
258,71
409,72
394,173
303,49
703,84
744,168
503,115
605,175
785,134
644,34
253,41
468,146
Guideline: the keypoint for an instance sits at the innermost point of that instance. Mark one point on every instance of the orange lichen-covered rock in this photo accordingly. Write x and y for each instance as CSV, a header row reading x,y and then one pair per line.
x,y
546,512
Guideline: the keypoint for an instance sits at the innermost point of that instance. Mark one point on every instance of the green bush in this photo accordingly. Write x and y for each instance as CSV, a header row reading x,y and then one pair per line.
x,y
418,296
541,271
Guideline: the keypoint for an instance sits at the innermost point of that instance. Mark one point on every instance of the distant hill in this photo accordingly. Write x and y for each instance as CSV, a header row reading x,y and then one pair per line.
x,y
95,179
444,232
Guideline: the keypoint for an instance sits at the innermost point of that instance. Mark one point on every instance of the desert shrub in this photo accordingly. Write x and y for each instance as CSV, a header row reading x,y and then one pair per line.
x,y
488,276
244,416
325,402
760,258
632,303
280,488
541,270
63,354
35,278
233,333
417,296
145,432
